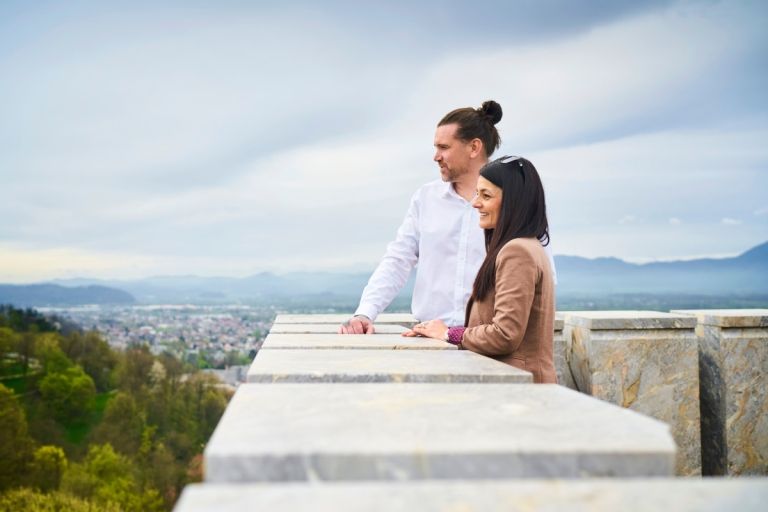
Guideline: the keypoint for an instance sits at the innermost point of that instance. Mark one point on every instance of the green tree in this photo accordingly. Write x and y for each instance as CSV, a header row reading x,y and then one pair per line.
x,y
15,443
122,425
26,347
133,369
21,320
94,355
108,477
174,368
161,470
49,354
69,395
212,407
9,340
48,466
30,500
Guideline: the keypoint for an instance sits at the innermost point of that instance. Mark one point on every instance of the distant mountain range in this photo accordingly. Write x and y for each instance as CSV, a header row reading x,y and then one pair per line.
x,y
746,274
55,295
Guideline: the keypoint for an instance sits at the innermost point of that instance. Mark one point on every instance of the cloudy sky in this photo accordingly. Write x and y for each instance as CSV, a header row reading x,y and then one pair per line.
x,y
230,137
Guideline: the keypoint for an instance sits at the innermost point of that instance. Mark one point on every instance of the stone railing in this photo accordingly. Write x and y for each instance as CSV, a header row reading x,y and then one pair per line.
x,y
330,422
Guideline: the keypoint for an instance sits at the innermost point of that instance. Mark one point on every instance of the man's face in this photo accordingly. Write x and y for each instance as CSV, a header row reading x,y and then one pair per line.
x,y
451,154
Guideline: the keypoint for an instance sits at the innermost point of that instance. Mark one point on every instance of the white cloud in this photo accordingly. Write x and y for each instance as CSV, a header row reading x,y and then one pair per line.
x,y
674,221
200,144
730,222
595,84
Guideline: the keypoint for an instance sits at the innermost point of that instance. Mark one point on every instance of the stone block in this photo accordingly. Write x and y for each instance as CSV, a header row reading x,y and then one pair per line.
x,y
643,360
564,377
377,366
353,341
733,373
329,329
404,319
588,495
335,432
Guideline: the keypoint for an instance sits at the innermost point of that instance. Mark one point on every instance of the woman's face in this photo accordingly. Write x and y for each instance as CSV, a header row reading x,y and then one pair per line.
x,y
488,203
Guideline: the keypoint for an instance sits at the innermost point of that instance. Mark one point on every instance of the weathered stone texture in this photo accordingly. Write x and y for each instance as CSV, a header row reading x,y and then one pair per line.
x,y
318,328
564,377
314,432
604,495
733,359
381,366
353,341
644,361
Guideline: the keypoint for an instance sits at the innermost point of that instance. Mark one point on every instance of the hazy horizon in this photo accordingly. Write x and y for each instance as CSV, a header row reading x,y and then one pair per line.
x,y
359,269
228,139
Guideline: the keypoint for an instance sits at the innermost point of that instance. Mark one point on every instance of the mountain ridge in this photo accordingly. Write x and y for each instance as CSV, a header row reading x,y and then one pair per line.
x,y
746,273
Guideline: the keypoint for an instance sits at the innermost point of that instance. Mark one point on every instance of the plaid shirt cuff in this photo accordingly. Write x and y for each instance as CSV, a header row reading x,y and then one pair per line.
x,y
455,334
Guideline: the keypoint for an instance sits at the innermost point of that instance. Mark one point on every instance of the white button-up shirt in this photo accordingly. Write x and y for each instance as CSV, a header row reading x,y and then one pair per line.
x,y
441,233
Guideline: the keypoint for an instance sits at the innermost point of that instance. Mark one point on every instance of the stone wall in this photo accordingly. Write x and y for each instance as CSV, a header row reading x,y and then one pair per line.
x,y
645,361
560,350
733,369
603,495
391,429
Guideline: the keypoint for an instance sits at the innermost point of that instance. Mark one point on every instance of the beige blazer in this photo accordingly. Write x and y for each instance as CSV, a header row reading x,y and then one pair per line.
x,y
515,323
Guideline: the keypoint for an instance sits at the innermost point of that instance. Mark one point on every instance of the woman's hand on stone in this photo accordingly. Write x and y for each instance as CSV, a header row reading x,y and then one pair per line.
x,y
431,329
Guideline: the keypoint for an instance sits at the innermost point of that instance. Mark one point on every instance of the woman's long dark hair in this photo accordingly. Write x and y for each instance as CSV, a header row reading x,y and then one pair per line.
x,y
523,214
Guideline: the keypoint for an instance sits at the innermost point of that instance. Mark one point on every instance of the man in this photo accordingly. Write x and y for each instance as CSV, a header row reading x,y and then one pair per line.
x,y
441,230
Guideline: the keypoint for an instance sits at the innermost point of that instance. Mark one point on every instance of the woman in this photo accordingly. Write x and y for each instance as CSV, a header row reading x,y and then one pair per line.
x,y
511,312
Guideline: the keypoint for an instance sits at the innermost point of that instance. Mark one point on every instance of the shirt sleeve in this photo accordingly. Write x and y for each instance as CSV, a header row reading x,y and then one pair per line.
x,y
391,274
516,277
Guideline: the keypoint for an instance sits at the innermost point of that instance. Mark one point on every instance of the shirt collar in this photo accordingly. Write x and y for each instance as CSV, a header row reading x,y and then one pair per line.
x,y
450,193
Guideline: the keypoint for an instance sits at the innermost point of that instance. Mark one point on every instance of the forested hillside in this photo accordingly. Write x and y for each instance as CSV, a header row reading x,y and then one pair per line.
x,y
85,427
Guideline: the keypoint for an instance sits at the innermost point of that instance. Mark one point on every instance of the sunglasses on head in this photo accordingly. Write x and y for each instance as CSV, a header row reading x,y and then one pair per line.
x,y
509,159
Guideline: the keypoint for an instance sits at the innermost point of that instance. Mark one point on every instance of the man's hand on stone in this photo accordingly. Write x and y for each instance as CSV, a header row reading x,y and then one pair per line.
x,y
358,324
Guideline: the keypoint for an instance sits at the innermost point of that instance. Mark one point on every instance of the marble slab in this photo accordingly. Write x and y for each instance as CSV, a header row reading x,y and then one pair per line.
x,y
334,432
560,319
560,353
627,320
405,319
589,495
381,366
650,367
353,341
330,328
733,372
728,317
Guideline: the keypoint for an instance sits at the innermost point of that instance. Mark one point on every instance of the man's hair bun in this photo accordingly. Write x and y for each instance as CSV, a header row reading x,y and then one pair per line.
x,y
476,123
491,110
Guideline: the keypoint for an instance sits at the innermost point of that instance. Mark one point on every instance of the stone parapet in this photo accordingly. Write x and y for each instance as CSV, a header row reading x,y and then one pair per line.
x,y
628,320
645,361
733,369
352,342
329,427
601,495
404,319
331,365
329,329
335,432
